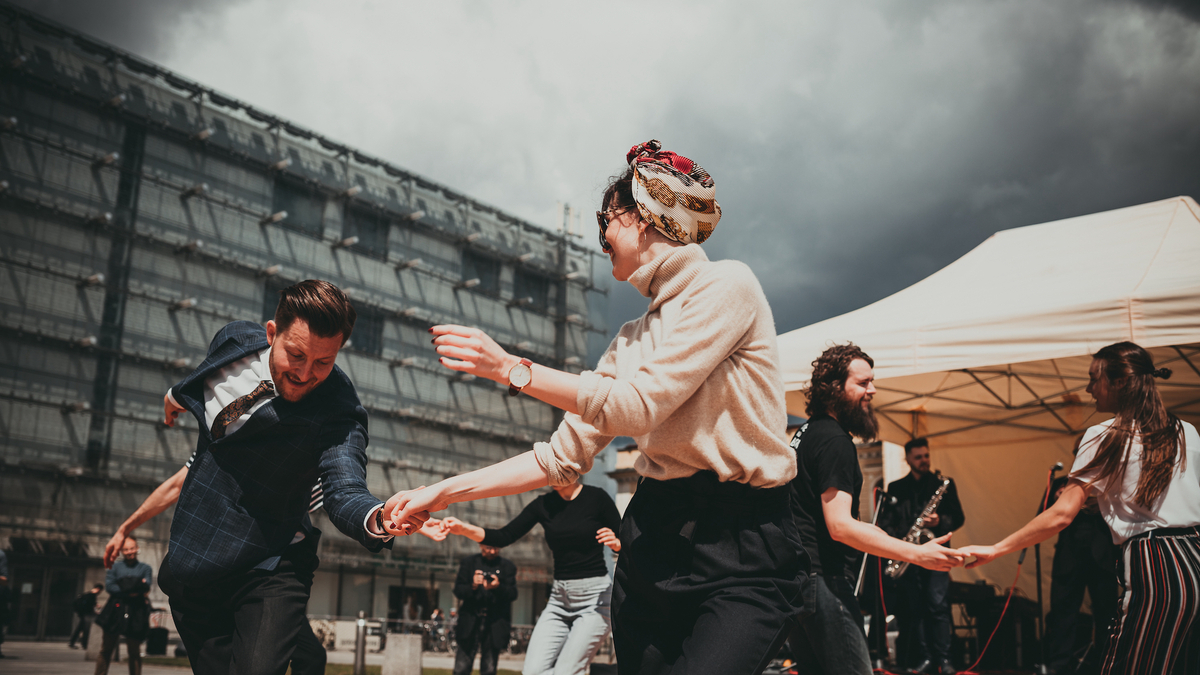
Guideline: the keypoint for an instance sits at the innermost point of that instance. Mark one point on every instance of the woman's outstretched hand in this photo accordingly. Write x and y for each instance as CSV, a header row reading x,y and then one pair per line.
x,y
982,554
605,536
470,350
407,511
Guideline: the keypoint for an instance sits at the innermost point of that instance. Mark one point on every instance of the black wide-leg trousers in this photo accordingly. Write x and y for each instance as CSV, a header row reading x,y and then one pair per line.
x,y
710,578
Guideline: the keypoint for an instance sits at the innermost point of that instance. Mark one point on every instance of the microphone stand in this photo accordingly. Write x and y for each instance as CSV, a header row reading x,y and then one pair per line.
x,y
1043,669
881,649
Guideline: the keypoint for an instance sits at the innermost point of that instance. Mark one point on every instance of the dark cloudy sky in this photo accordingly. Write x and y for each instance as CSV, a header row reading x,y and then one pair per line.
x,y
856,146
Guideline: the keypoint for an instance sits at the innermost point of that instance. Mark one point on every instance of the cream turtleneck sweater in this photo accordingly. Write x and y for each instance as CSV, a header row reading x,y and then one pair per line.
x,y
695,381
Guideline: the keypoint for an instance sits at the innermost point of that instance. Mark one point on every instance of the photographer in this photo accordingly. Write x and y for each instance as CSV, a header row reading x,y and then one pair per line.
x,y
487,586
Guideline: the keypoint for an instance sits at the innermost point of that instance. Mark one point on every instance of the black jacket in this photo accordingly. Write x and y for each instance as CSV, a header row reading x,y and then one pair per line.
x,y
246,495
485,614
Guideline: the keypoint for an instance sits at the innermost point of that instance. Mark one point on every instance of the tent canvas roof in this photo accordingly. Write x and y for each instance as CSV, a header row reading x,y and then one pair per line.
x,y
988,357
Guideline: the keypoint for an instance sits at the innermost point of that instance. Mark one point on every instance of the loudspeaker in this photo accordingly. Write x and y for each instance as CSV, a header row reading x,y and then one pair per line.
x,y
1015,644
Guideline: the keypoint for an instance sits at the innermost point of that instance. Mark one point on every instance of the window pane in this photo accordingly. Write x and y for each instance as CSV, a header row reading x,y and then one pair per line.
x,y
305,206
483,268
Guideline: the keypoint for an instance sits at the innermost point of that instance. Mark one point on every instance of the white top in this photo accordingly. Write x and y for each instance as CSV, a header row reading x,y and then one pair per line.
x,y
1179,505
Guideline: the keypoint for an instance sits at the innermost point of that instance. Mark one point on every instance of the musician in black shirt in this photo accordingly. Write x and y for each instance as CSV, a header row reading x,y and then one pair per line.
x,y
824,500
578,521
924,609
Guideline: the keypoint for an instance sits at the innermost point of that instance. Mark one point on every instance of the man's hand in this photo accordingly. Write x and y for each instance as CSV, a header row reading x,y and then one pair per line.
x,y
932,520
493,581
113,549
170,411
477,580
605,536
982,554
935,556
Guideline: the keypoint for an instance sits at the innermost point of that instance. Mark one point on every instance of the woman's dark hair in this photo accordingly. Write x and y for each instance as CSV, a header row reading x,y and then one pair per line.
x,y
619,192
1129,372
323,306
829,377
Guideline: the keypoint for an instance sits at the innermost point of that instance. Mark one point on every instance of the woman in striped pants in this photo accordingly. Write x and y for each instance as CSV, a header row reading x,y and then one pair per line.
x,y
1144,468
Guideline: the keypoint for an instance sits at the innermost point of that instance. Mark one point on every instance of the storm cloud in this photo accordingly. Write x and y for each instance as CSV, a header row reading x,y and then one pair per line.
x,y
856,147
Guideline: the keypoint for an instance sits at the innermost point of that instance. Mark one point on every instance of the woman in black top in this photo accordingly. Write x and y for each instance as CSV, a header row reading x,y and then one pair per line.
x,y
579,521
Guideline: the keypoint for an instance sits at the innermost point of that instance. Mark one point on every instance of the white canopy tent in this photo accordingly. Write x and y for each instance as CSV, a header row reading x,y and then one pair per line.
x,y
988,357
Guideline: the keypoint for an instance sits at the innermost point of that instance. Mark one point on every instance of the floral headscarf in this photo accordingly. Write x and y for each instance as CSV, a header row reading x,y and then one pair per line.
x,y
673,193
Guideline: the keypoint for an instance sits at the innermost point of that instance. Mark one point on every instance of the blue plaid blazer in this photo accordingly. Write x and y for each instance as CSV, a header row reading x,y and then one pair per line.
x,y
247,494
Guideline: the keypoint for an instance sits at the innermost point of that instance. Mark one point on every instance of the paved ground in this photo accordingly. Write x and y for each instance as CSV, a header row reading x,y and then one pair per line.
x,y
55,658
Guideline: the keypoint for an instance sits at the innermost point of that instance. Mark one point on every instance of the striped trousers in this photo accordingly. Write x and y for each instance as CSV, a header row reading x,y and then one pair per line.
x,y
1158,630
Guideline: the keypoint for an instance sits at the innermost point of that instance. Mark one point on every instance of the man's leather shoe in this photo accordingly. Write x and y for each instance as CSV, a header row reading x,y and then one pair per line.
x,y
923,668
947,669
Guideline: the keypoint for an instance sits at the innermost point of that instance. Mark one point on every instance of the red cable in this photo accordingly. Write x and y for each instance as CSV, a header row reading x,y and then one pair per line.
x,y
971,670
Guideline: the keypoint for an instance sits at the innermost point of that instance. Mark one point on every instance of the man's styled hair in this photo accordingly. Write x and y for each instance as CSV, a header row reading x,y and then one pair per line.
x,y
323,306
100,586
919,442
829,377
130,538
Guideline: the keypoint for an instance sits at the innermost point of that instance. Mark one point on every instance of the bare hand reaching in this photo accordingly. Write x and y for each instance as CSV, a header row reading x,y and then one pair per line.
x,y
170,411
605,536
113,549
470,350
434,529
935,556
407,511
982,554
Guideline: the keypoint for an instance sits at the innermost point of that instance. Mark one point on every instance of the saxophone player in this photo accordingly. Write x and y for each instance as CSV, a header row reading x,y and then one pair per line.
x,y
923,610
824,500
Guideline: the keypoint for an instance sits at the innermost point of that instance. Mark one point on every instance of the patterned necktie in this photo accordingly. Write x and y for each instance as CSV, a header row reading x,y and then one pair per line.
x,y
239,407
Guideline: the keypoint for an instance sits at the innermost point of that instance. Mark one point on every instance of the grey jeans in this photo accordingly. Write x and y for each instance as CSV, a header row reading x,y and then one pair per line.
x,y
569,631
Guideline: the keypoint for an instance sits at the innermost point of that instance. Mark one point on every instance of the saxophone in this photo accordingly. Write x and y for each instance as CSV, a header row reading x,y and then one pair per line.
x,y
918,533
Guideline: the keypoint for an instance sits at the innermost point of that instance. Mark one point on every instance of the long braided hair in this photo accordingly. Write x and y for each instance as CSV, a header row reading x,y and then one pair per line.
x,y
1129,372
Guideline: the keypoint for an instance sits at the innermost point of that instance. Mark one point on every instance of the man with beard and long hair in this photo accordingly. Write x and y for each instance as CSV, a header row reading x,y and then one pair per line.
x,y
824,497
924,608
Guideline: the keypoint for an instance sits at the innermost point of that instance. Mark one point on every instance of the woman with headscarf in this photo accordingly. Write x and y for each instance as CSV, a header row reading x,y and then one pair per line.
x,y
711,569
1144,468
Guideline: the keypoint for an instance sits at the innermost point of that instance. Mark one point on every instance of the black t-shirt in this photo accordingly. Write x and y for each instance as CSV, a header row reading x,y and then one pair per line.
x,y
570,528
825,458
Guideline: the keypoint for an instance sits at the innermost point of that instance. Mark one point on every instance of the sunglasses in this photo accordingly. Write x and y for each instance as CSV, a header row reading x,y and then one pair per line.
x,y
603,218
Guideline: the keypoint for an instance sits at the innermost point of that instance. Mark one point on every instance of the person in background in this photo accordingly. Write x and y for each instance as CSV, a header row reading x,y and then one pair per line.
x,y
127,613
487,586
85,608
1143,467
1085,558
579,521
924,608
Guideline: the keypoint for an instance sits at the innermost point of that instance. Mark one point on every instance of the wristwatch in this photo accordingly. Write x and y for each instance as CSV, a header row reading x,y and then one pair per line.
x,y
379,520
519,376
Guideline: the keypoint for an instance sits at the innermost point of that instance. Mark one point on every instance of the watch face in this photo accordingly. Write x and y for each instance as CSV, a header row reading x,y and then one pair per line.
x,y
520,375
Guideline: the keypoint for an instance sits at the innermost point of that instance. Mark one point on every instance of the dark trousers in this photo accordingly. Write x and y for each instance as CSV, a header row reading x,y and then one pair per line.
x,y
1084,559
82,630
709,578
249,623
309,657
924,616
109,645
485,644
831,641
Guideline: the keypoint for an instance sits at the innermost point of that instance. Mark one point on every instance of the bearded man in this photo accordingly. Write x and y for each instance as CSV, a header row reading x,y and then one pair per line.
x,y
824,496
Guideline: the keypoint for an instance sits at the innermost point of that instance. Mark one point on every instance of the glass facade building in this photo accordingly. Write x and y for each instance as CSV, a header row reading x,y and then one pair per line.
x,y
141,211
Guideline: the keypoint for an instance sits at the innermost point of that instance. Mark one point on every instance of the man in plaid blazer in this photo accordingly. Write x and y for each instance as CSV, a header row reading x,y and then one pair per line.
x,y
275,416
